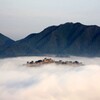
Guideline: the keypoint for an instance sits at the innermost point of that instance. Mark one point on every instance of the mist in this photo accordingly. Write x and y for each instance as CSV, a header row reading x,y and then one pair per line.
x,y
49,82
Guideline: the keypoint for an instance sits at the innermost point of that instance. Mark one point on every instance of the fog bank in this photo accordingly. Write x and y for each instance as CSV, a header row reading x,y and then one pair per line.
x,y
49,82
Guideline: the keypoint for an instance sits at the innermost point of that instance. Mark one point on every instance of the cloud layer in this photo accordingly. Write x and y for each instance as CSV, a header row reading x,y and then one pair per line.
x,y
49,82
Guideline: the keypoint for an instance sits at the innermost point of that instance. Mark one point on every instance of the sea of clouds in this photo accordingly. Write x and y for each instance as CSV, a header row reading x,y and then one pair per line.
x,y
49,82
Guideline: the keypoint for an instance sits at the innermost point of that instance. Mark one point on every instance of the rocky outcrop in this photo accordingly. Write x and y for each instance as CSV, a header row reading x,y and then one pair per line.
x,y
50,61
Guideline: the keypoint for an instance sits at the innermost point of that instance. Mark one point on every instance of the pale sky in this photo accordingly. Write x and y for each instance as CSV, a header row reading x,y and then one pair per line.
x,y
19,18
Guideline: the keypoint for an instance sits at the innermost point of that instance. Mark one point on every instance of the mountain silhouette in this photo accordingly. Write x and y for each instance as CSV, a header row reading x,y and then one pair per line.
x,y
66,39
5,42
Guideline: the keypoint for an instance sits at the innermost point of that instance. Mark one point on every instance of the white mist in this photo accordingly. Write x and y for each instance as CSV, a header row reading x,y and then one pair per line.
x,y
49,82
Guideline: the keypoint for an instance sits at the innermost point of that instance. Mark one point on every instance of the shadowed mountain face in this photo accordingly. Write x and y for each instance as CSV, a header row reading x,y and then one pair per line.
x,y
66,39
5,42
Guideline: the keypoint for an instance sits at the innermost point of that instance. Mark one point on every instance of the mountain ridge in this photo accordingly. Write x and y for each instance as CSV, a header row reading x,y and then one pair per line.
x,y
5,42
65,39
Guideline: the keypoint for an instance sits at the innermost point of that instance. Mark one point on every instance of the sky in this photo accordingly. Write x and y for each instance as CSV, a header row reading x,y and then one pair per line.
x,y
19,18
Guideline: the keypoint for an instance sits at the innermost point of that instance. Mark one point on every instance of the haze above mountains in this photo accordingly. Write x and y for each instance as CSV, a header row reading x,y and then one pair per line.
x,y
63,40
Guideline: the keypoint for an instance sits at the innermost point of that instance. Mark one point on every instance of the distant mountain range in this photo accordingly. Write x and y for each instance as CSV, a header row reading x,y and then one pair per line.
x,y
64,40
